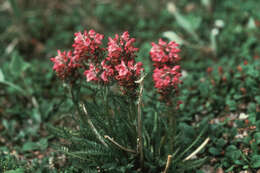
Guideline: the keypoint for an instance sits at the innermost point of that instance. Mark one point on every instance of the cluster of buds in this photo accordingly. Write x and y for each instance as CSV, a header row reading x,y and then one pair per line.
x,y
166,75
115,63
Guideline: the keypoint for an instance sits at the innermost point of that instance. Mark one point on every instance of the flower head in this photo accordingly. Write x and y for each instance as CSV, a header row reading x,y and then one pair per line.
x,y
166,75
116,63
164,53
63,64
87,45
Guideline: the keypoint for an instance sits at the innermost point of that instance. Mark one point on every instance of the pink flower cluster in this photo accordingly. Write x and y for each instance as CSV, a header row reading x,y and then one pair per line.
x,y
102,65
87,46
121,58
166,75
63,64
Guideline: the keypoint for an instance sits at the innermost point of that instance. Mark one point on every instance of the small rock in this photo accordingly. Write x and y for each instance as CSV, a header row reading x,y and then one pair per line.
x,y
243,116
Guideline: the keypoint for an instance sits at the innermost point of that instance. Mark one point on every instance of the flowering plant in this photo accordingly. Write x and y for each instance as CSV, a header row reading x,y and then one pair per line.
x,y
114,64
113,133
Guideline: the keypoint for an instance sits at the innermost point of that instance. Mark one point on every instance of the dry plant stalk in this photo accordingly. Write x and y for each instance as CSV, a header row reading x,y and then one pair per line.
x,y
139,121
92,125
118,145
168,163
198,149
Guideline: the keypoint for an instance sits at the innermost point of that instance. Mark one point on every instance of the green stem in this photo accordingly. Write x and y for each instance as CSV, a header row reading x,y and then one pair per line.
x,y
76,103
139,123
172,123
86,120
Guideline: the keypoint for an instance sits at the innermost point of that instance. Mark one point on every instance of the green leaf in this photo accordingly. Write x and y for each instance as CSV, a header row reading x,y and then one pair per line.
x,y
251,23
221,142
255,161
172,36
43,143
16,87
186,25
2,77
257,99
232,104
231,168
18,170
28,146
257,137
17,65
233,153
214,151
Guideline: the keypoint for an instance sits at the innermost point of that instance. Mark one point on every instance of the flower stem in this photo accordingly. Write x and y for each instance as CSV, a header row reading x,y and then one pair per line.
x,y
172,123
139,122
78,105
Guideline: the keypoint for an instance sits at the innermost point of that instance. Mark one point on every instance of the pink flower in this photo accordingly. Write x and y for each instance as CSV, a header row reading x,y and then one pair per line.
x,y
123,71
86,45
116,63
63,64
114,49
125,36
121,47
91,73
108,71
166,78
121,57
162,53
166,75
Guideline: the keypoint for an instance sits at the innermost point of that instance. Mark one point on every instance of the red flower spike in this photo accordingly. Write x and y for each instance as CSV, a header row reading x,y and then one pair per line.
x,y
163,53
116,63
166,75
121,57
86,45
63,64
91,73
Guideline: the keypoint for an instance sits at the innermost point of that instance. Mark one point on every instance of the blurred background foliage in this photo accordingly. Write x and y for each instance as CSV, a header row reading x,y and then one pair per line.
x,y
220,51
